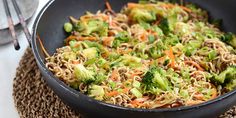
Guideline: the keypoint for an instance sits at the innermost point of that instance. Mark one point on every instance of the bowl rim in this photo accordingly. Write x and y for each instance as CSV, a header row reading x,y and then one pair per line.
x,y
40,63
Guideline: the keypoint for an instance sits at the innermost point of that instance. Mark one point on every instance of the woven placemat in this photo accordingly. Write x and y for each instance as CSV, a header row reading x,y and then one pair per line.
x,y
34,99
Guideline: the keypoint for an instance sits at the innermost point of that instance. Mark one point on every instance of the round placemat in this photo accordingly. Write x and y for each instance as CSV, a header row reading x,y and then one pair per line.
x,y
34,99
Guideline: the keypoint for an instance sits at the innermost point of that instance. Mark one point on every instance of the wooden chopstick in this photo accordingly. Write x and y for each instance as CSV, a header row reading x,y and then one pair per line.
x,y
22,21
11,25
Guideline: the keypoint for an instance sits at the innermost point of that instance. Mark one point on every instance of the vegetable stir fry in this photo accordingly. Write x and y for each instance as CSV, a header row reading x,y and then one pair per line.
x,y
149,55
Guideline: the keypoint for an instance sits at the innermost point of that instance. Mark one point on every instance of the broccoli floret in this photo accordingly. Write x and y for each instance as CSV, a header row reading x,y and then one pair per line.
x,y
131,61
69,55
90,53
155,78
231,85
229,38
96,92
121,37
83,74
94,26
142,15
164,25
136,92
100,77
226,76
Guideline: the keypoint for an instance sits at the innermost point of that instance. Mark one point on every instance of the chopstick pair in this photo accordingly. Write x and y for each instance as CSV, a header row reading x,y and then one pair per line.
x,y
11,25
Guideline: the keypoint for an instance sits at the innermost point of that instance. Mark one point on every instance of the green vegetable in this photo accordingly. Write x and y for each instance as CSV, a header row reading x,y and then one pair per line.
x,y
90,61
142,15
171,39
191,47
217,22
229,74
68,27
212,55
164,26
189,50
131,61
136,84
155,52
136,92
94,26
229,38
121,37
73,46
195,43
231,85
90,53
83,74
155,78
100,77
69,55
151,38
97,92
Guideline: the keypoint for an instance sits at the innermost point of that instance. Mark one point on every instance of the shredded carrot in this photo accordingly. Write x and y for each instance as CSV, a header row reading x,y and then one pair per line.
x,y
108,5
135,103
107,41
144,36
71,37
198,96
112,93
186,9
132,5
125,90
214,94
161,59
76,62
193,102
114,74
42,46
87,38
194,64
139,101
170,54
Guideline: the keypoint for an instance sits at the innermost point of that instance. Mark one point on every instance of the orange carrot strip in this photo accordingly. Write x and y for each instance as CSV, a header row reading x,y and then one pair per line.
x,y
125,90
198,96
107,41
144,37
76,62
214,94
194,64
161,59
41,45
108,5
132,5
172,56
113,93
186,9
71,37
138,101
114,74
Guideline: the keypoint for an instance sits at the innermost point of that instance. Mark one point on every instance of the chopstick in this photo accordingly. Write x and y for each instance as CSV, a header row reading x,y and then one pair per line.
x,y
11,25
22,21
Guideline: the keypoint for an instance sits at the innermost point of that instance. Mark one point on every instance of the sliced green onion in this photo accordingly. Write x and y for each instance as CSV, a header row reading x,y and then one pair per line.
x,y
136,84
136,92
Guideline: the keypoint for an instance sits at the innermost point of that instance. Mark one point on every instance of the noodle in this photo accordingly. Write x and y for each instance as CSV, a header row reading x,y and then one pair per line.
x,y
147,56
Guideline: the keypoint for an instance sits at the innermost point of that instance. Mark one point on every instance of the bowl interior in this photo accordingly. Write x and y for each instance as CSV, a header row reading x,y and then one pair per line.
x,y
50,24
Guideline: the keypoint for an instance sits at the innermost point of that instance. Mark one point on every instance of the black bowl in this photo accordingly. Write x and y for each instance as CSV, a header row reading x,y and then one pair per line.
x,y
49,25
